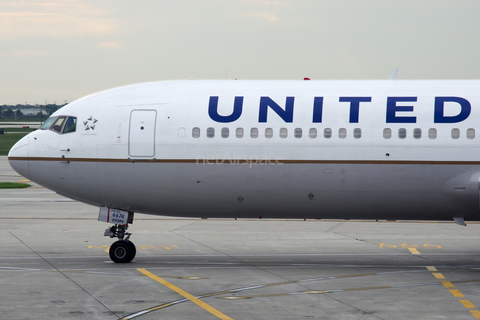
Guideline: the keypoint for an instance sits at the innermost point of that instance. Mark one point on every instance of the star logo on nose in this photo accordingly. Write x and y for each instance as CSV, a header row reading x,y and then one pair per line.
x,y
90,123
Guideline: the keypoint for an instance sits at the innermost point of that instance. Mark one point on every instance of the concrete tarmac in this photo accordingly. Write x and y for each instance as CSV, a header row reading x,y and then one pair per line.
x,y
54,265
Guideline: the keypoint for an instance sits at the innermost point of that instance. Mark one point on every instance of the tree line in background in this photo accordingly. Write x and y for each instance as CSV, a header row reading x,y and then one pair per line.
x,y
19,111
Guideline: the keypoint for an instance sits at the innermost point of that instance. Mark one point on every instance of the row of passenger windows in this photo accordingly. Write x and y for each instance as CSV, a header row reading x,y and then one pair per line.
x,y
388,133
432,133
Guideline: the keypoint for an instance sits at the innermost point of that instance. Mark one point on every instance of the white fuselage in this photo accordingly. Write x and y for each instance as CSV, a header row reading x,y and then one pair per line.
x,y
276,149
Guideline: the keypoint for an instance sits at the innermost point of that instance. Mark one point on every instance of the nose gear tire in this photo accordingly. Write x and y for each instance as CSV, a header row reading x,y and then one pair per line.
x,y
122,251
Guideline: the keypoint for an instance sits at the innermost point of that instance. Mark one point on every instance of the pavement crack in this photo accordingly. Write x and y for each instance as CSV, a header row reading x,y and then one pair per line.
x,y
213,249
186,225
337,225
66,276
356,308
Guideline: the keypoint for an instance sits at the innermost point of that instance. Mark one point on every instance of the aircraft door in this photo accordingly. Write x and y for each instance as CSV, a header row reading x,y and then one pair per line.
x,y
141,138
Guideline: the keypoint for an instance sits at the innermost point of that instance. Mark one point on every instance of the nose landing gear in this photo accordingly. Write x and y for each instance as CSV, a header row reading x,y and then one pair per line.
x,y
123,250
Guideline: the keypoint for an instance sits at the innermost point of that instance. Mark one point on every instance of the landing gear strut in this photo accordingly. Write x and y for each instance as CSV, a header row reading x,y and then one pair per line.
x,y
123,250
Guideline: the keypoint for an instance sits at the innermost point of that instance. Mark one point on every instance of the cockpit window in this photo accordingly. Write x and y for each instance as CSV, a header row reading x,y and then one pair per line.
x,y
58,124
61,124
47,123
71,125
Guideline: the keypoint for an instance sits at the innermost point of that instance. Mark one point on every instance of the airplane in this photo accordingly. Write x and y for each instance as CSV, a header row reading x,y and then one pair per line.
x,y
286,149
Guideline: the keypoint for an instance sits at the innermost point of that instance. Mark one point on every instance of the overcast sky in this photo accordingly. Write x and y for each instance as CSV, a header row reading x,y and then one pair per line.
x,y
65,49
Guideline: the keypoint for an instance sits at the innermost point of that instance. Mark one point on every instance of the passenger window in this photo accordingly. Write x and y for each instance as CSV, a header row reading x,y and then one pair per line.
x,y
210,132
417,133
268,133
225,132
283,133
298,133
196,132
312,133
357,133
387,133
470,133
254,133
71,125
327,133
342,133
58,124
239,132
455,133
432,133
402,133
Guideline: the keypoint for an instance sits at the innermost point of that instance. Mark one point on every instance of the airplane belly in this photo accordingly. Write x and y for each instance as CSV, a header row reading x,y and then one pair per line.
x,y
293,191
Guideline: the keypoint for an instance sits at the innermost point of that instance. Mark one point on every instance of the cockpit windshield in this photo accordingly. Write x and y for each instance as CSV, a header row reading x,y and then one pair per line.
x,y
60,124
47,123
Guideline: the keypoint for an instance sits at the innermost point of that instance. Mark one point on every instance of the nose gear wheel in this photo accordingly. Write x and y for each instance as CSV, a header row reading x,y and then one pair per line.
x,y
123,250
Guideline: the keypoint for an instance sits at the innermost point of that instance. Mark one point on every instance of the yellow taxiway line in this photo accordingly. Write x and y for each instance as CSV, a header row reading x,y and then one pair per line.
x,y
185,294
456,293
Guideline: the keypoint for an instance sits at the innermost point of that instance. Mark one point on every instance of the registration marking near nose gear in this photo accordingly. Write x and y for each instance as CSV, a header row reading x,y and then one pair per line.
x,y
185,294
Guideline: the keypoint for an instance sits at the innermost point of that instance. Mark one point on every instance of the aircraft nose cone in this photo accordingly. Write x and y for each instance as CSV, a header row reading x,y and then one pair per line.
x,y
19,157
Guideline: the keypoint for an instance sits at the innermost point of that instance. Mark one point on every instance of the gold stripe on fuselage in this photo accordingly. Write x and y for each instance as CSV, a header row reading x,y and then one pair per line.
x,y
254,161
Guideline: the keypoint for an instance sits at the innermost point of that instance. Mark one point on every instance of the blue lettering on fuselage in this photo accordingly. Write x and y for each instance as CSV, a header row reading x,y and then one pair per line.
x,y
393,108
398,109
286,114
317,109
355,106
440,117
236,113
